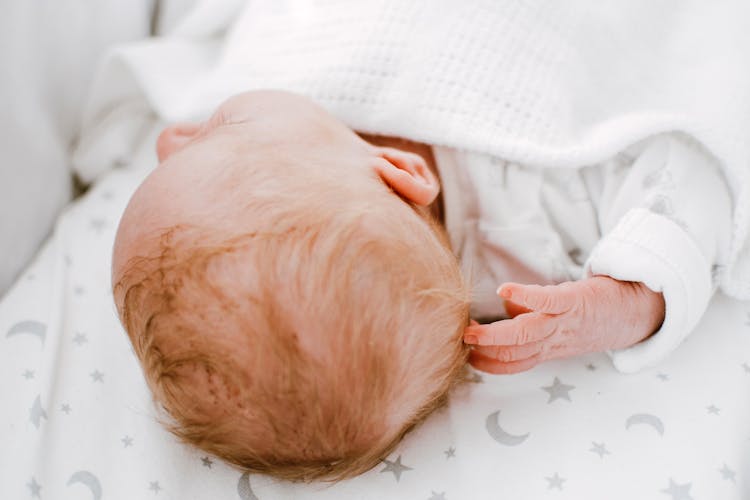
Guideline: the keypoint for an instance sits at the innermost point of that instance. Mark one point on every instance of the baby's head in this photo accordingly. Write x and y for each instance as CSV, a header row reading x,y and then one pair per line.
x,y
295,308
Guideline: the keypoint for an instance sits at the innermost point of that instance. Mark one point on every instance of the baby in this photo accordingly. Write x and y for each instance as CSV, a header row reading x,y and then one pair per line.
x,y
297,306
293,302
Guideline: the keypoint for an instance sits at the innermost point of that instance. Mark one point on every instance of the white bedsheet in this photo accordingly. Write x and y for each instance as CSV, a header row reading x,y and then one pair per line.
x,y
77,422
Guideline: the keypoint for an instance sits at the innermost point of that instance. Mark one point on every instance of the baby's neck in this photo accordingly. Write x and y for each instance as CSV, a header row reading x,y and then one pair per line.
x,y
423,150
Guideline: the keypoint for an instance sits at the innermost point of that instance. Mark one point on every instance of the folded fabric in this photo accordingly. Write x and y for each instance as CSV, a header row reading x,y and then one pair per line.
x,y
553,85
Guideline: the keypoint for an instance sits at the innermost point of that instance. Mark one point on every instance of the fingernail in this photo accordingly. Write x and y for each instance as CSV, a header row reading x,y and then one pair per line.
x,y
503,292
470,339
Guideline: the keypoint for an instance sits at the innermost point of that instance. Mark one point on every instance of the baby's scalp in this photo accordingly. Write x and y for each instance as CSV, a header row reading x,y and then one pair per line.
x,y
308,340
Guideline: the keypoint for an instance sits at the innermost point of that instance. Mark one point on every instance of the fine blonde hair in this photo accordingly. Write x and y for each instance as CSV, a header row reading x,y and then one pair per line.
x,y
306,346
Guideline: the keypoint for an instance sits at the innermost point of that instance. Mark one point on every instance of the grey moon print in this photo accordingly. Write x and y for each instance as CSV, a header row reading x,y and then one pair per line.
x,y
499,434
647,419
89,480
243,488
29,327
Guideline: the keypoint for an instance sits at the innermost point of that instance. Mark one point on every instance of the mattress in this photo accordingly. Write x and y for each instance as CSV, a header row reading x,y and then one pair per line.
x,y
78,422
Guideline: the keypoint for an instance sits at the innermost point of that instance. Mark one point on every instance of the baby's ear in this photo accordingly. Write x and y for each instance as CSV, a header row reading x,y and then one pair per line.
x,y
408,175
174,137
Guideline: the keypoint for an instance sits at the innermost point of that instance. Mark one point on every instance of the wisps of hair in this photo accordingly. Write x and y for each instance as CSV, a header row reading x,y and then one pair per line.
x,y
305,349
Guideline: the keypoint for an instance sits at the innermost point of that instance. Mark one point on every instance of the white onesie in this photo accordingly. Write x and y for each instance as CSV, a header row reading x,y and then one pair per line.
x,y
658,213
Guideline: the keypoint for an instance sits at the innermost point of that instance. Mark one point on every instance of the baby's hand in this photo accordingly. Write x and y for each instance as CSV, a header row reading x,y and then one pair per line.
x,y
559,321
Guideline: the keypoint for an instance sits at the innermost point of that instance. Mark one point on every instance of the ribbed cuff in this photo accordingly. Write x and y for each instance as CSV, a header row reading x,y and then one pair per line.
x,y
654,250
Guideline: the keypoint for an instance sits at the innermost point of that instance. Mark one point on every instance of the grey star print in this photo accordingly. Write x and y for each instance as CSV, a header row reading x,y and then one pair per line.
x,y
396,467
600,449
678,491
555,482
619,411
558,390
35,488
727,474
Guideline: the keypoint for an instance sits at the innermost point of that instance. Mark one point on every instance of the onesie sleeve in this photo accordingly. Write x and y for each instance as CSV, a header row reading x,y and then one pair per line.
x,y
666,222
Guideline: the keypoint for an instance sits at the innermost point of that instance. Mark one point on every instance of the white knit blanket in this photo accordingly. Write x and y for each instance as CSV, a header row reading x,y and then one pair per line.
x,y
553,84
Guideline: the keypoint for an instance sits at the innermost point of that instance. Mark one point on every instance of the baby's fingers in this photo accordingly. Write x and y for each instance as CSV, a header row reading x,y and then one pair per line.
x,y
509,353
551,299
523,329
491,365
513,309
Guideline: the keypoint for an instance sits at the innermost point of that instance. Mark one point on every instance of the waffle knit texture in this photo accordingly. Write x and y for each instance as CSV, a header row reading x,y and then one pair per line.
x,y
549,84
